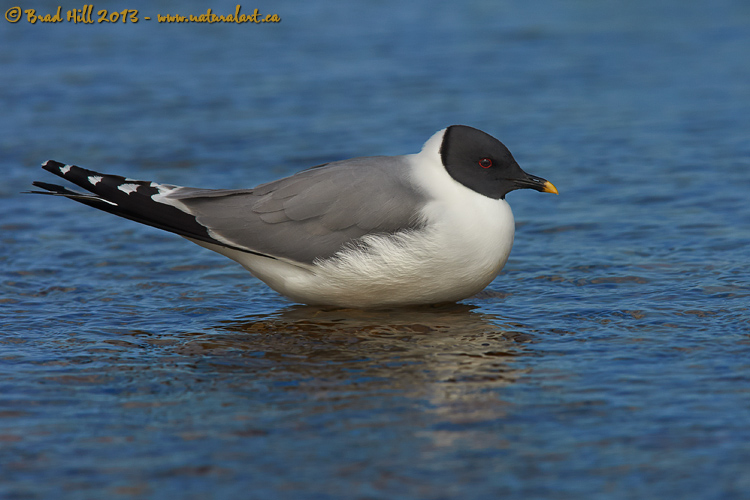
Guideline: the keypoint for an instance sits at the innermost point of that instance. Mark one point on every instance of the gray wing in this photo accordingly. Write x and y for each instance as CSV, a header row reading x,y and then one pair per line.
x,y
313,214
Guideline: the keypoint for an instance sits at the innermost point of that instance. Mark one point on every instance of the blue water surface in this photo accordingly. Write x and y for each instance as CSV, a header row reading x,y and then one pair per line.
x,y
610,359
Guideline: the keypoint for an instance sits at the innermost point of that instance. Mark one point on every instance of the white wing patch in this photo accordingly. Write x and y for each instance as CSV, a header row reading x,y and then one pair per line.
x,y
163,196
127,188
95,179
164,189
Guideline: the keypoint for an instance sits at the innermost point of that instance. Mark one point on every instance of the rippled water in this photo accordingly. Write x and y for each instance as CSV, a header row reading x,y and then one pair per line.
x,y
610,359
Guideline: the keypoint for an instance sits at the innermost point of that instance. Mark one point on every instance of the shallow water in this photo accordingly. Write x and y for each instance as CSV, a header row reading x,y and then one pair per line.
x,y
608,360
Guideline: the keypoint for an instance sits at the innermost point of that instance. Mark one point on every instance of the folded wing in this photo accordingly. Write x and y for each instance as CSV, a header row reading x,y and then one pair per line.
x,y
310,215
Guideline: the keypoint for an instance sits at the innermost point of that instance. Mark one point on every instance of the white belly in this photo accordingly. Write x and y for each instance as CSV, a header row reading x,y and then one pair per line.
x,y
454,257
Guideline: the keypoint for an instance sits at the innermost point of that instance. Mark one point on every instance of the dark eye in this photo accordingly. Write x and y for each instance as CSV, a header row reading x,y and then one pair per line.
x,y
485,163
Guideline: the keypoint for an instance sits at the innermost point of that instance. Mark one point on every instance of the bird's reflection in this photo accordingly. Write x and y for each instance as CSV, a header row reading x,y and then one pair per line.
x,y
446,366
405,347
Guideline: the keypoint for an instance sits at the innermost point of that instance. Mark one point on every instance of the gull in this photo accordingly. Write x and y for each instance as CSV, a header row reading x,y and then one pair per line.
x,y
367,232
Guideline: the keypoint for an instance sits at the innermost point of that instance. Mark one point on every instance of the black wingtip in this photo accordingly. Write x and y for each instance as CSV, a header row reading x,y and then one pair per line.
x,y
53,166
47,186
136,203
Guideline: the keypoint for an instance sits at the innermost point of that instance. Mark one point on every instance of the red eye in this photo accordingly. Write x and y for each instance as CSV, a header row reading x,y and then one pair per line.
x,y
485,163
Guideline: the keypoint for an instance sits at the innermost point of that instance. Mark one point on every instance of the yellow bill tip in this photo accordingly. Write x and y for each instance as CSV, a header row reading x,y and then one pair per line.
x,y
550,188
